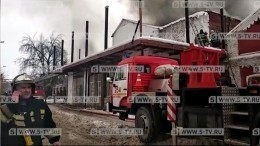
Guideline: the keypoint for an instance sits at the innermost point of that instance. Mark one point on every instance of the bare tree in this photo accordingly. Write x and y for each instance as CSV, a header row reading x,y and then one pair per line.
x,y
39,53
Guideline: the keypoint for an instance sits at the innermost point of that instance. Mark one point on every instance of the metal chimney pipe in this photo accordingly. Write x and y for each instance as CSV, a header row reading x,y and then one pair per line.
x,y
72,46
54,57
104,87
79,53
62,48
222,26
187,22
141,17
106,27
86,42
141,23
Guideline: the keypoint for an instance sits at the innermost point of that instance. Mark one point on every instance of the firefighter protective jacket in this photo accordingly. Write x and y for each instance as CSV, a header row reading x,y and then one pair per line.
x,y
202,39
34,114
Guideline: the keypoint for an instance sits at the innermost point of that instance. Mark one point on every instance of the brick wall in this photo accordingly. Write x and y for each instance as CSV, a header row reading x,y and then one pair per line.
x,y
215,22
252,45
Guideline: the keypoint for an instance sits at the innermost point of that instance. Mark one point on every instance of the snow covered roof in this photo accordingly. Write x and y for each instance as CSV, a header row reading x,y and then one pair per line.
x,y
134,22
247,22
166,41
248,59
176,42
242,56
201,13
145,40
46,77
183,18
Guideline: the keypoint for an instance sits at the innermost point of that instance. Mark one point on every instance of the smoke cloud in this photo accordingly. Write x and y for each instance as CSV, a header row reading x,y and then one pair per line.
x,y
161,12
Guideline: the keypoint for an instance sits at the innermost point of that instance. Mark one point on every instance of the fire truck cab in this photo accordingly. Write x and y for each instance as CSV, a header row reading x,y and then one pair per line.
x,y
39,91
124,81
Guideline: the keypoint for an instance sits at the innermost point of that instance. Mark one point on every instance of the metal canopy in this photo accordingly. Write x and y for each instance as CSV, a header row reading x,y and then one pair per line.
x,y
114,55
45,77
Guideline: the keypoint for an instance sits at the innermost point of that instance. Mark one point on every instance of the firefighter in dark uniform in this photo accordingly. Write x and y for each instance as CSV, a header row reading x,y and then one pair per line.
x,y
25,113
214,42
202,38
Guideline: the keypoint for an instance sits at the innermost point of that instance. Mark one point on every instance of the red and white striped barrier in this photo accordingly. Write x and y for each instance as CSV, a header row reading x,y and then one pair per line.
x,y
171,110
171,105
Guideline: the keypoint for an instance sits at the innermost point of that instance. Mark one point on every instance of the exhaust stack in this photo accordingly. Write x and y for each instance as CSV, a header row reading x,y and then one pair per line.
x,y
86,42
72,47
106,27
187,22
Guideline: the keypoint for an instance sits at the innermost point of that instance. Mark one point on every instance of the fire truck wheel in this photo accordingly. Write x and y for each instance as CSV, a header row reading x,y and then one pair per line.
x,y
143,119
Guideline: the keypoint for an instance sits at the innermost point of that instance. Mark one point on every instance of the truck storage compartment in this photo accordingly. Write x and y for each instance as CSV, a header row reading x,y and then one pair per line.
x,y
196,117
198,96
196,111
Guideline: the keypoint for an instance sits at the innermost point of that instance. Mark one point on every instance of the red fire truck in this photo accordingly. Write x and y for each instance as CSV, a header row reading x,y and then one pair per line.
x,y
194,89
39,91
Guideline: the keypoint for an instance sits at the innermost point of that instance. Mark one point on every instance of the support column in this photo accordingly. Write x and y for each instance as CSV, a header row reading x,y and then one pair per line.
x,y
86,91
70,87
103,89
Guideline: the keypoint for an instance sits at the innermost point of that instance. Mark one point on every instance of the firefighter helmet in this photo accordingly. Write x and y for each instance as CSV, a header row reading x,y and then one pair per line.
x,y
22,79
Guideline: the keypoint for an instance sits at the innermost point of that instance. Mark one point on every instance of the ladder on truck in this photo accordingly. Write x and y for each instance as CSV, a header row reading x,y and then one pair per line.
x,y
196,32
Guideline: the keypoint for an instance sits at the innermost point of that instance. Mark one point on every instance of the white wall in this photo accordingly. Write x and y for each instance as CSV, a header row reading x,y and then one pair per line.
x,y
126,32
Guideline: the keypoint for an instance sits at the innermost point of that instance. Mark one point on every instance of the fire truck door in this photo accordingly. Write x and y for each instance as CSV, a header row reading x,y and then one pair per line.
x,y
120,85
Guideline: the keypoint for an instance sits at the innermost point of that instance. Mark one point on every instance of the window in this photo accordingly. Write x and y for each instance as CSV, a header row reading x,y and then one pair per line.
x,y
121,73
116,75
91,86
147,68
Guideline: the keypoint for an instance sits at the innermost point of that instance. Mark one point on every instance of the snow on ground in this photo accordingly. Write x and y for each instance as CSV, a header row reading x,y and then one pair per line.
x,y
76,126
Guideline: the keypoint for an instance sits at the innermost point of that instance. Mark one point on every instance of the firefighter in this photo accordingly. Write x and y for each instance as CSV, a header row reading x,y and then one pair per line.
x,y
202,38
26,112
214,42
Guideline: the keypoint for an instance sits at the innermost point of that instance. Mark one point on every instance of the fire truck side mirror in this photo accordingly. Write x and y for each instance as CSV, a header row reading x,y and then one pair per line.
x,y
109,79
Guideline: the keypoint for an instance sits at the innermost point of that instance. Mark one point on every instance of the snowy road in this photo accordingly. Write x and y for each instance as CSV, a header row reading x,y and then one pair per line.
x,y
76,126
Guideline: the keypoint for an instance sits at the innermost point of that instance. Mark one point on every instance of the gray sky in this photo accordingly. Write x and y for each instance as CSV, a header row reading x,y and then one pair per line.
x,y
29,17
